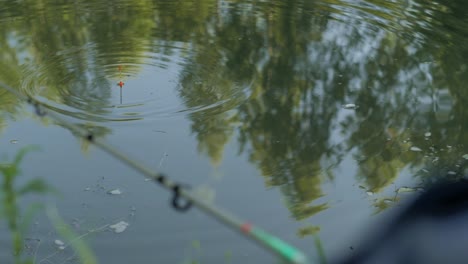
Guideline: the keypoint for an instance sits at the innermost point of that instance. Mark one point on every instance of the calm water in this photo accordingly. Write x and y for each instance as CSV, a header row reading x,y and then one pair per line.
x,y
306,117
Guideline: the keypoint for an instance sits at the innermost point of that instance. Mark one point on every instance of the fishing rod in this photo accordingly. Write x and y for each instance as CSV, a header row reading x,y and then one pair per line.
x,y
183,199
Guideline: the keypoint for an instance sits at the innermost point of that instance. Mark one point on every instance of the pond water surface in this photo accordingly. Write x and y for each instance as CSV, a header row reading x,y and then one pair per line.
x,y
309,118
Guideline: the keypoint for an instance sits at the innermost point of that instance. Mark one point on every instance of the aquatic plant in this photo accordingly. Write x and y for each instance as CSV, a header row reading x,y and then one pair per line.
x,y
19,222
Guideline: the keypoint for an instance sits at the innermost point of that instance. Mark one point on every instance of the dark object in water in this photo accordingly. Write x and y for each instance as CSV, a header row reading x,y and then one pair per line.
x,y
432,229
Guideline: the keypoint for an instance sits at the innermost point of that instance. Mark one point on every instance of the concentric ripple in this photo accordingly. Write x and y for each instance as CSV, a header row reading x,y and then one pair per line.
x,y
140,60
85,83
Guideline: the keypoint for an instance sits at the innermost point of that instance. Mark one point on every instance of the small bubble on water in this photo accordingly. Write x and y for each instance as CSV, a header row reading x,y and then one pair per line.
x,y
405,189
415,149
350,106
115,192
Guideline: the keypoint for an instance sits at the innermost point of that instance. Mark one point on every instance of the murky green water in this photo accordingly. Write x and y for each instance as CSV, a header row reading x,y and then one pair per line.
x,y
297,115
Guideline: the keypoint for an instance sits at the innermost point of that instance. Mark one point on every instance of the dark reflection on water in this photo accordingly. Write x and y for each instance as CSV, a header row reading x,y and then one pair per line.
x,y
302,83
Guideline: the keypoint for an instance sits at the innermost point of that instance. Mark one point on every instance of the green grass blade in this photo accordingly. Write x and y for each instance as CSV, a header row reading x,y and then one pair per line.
x,y
84,253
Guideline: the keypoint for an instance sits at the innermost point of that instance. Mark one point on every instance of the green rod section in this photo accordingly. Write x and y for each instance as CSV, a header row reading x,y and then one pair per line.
x,y
275,245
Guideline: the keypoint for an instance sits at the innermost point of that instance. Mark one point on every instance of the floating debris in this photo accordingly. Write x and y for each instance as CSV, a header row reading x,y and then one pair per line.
x,y
465,156
119,227
415,149
427,134
14,141
60,244
115,192
405,189
350,106
370,193
87,189
451,173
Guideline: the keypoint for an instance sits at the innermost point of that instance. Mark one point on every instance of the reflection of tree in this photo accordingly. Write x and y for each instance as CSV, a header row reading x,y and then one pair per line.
x,y
306,67
281,72
280,118
73,49
9,74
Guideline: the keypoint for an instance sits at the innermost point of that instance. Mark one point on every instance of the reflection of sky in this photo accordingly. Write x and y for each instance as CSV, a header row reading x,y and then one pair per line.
x,y
21,54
